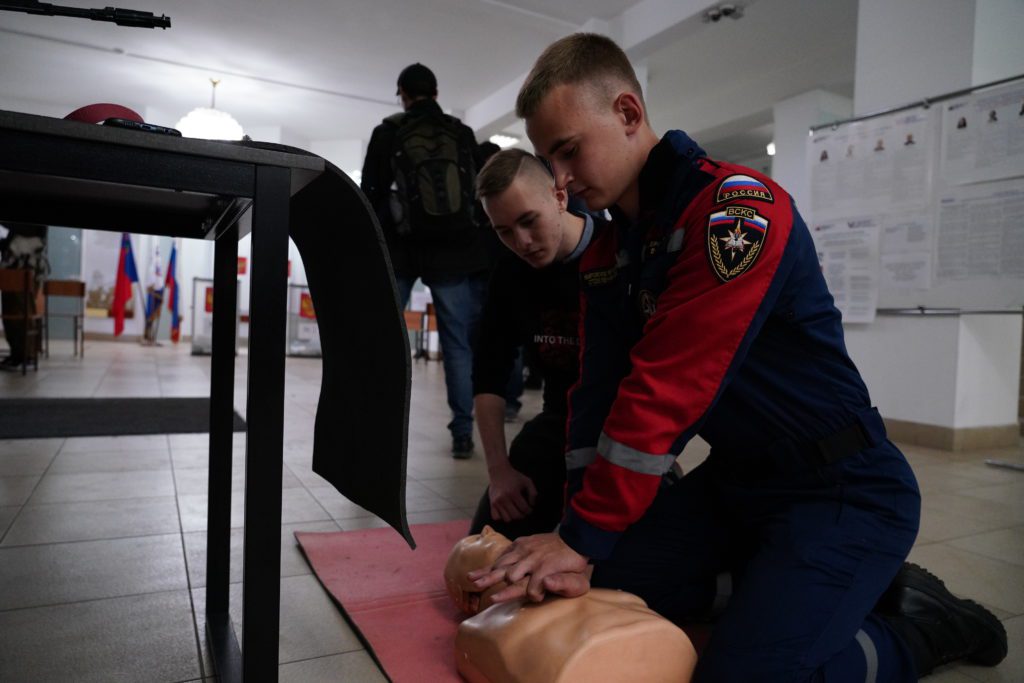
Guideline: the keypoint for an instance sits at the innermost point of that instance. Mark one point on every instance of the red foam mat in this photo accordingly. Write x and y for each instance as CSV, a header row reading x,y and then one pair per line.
x,y
395,596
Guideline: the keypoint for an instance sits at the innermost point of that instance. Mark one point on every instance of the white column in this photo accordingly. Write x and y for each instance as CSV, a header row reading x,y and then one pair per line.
x,y
793,119
944,381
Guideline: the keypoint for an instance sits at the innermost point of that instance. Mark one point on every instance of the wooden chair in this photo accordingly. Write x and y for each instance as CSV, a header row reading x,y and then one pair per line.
x,y
422,323
415,321
18,281
65,288
430,326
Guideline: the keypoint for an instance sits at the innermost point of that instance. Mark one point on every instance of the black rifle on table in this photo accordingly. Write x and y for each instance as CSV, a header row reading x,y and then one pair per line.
x,y
121,17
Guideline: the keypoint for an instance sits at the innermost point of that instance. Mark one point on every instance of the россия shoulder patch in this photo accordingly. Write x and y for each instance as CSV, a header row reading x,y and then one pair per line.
x,y
735,239
743,187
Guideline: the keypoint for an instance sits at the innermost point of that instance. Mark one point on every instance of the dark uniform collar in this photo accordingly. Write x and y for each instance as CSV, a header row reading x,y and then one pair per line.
x,y
666,168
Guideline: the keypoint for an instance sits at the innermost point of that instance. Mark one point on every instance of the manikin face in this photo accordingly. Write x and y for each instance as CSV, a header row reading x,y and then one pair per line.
x,y
473,552
586,141
528,218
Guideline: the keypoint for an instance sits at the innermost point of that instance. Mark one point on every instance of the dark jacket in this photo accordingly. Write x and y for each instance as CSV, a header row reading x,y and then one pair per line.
x,y
538,309
463,253
709,316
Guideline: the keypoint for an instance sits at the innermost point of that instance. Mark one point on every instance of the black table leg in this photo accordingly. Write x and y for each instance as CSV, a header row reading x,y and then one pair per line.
x,y
265,416
223,644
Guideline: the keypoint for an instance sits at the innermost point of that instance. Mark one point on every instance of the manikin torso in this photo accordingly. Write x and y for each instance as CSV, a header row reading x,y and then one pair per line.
x,y
604,635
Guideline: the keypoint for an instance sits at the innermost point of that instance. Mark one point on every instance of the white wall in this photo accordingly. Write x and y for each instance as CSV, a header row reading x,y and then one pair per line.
x,y
911,49
346,154
988,370
59,111
908,368
998,42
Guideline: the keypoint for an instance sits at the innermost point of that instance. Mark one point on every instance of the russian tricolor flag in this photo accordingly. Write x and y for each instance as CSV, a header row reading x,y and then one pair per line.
x,y
750,219
743,182
127,273
171,292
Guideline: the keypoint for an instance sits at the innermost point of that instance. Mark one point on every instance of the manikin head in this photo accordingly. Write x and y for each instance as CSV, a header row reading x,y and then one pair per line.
x,y
585,114
416,82
473,552
526,209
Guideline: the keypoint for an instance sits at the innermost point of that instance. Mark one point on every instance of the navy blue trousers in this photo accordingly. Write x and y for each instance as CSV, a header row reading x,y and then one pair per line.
x,y
809,552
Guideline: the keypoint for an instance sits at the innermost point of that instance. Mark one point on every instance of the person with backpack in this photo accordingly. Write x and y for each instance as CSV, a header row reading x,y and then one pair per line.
x,y
22,245
419,176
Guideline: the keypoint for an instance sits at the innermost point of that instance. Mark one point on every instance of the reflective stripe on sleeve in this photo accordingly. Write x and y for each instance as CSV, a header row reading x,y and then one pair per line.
x,y
632,459
580,457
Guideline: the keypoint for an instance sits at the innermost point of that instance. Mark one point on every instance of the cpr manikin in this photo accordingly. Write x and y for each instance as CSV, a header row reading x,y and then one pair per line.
x,y
473,552
605,635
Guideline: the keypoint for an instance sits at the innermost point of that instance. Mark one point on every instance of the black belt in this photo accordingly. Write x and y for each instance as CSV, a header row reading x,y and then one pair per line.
x,y
790,455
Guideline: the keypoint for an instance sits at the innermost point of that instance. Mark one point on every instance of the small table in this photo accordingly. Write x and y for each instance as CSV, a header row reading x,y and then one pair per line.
x,y
73,174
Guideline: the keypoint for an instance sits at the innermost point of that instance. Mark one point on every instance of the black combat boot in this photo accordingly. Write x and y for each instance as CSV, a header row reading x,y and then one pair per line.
x,y
937,626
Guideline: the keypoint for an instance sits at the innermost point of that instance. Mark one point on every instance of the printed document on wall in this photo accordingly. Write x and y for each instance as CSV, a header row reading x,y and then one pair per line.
x,y
906,247
980,232
983,136
877,165
848,251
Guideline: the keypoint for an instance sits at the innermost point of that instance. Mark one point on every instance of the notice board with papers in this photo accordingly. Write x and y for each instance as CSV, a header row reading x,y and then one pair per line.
x,y
923,206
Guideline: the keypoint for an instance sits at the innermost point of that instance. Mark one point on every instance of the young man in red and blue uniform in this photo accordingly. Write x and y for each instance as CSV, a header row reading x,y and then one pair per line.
x,y
705,312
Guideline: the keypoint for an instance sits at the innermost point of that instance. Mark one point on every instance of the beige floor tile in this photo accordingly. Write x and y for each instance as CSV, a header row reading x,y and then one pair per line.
x,y
1010,494
941,524
110,461
949,674
80,486
147,442
293,562
136,638
7,515
1005,544
30,446
21,464
94,520
88,570
16,490
351,666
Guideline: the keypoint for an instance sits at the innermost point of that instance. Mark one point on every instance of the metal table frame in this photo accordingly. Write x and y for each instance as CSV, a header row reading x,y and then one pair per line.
x,y
79,175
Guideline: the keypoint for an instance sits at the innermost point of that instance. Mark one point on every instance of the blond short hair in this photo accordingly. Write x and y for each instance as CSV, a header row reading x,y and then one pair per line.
x,y
579,58
502,169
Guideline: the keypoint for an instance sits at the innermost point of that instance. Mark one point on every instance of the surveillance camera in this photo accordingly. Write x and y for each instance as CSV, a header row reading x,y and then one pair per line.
x,y
730,10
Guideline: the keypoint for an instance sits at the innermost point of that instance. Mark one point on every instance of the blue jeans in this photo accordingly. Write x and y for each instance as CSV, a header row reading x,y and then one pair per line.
x,y
458,301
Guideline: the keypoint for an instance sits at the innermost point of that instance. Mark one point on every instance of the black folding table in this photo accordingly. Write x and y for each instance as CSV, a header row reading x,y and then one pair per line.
x,y
68,173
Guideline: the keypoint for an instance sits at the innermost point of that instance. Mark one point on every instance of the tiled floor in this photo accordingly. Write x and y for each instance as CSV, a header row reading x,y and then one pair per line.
x,y
102,540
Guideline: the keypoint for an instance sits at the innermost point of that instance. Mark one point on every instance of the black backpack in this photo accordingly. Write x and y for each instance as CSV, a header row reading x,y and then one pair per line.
x,y
432,161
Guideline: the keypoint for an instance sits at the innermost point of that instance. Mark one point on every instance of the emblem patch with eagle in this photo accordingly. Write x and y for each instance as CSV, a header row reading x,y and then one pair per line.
x,y
736,237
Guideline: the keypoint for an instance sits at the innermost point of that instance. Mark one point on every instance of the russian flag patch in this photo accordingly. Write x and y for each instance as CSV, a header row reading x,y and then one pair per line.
x,y
743,187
